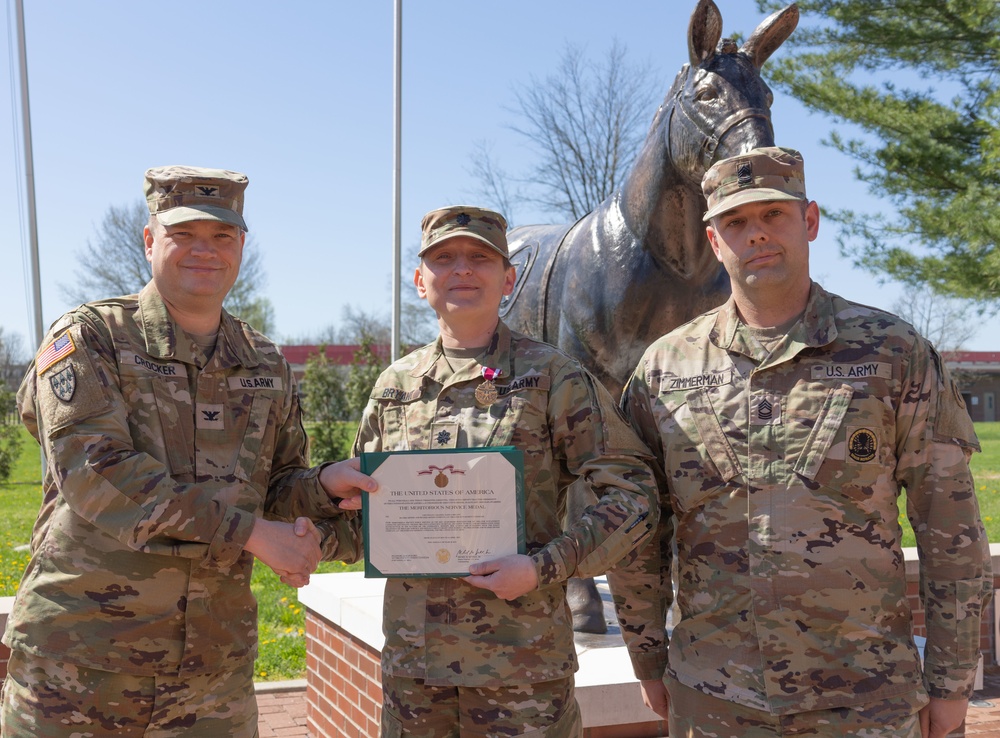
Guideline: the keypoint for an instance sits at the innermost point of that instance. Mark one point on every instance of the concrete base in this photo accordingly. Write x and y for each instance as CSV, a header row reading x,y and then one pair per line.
x,y
344,638
608,693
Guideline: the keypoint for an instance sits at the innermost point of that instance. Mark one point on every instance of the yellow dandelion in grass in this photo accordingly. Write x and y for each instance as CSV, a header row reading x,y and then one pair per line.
x,y
289,630
262,673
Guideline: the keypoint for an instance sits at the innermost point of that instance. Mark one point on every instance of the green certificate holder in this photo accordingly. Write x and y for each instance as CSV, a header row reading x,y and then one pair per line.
x,y
437,512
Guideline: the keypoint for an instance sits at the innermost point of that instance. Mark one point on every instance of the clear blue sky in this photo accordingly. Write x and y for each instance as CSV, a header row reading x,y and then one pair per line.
x,y
298,95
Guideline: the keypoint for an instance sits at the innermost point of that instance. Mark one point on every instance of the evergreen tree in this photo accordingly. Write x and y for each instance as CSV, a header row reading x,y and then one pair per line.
x,y
334,397
10,433
324,406
12,366
920,79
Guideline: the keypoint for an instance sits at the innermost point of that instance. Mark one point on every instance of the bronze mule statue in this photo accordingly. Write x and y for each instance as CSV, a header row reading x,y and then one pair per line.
x,y
604,288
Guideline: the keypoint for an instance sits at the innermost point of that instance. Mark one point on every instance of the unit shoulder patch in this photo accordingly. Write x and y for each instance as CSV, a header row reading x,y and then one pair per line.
x,y
64,383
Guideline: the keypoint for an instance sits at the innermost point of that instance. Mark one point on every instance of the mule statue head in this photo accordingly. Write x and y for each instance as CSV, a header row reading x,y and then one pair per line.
x,y
721,106
639,264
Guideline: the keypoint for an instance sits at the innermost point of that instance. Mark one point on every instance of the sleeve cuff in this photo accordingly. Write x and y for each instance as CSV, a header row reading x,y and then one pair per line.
x,y
550,566
649,664
951,683
231,537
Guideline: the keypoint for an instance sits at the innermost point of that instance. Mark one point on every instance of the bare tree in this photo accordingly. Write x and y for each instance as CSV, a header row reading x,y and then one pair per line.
x,y
586,122
12,351
114,263
947,322
415,330
494,183
418,324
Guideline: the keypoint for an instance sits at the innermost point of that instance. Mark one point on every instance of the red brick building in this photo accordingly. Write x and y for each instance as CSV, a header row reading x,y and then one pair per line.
x,y
978,376
977,373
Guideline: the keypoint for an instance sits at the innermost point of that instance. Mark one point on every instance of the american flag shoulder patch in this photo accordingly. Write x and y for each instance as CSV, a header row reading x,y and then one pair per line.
x,y
60,347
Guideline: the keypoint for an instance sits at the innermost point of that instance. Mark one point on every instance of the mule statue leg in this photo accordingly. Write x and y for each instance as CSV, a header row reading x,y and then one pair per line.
x,y
585,601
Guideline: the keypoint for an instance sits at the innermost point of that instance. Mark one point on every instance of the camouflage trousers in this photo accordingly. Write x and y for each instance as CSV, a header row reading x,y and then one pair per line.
x,y
412,709
55,699
694,714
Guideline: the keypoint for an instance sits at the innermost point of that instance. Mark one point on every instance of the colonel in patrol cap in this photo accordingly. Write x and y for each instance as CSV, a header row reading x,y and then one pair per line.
x,y
481,224
178,194
768,173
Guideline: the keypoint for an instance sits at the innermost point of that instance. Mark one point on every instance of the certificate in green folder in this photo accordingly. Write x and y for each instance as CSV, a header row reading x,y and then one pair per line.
x,y
437,512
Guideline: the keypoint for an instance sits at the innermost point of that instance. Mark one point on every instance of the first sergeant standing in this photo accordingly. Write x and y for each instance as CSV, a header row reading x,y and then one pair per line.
x,y
785,425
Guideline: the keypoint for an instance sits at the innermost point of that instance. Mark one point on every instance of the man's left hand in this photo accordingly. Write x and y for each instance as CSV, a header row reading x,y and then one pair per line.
x,y
344,481
508,578
940,717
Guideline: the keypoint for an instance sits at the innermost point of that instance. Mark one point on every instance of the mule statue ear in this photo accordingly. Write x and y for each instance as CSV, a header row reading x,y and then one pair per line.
x,y
770,34
704,31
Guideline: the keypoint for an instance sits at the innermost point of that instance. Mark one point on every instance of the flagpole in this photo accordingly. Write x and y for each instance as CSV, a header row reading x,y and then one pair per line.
x,y
397,108
29,176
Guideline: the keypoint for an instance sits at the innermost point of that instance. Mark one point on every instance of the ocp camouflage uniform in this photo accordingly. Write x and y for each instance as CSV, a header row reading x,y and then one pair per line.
x,y
156,471
781,474
446,632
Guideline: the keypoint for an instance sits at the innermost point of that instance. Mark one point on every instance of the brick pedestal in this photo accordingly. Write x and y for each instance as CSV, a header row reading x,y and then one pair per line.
x,y
344,639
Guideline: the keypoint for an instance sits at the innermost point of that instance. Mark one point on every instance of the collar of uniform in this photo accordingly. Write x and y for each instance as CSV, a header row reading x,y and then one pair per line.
x,y
497,354
819,322
234,348
727,320
161,331
158,328
818,326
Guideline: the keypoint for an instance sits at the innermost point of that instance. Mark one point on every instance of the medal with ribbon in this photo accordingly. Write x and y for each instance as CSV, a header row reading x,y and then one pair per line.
x,y
486,393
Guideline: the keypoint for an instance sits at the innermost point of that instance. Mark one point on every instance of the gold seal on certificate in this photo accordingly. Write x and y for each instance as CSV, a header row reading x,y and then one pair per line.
x,y
437,512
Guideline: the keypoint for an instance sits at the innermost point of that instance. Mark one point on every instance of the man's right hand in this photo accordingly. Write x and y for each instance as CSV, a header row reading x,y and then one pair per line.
x,y
290,549
654,696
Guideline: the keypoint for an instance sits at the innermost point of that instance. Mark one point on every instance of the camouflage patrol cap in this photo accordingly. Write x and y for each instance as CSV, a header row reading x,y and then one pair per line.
x,y
768,173
177,194
481,224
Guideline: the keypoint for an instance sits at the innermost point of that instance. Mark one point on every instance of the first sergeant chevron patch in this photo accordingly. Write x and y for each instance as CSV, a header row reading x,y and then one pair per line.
x,y
61,347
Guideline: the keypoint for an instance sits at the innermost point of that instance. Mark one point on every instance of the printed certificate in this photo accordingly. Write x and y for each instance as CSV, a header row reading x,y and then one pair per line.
x,y
436,512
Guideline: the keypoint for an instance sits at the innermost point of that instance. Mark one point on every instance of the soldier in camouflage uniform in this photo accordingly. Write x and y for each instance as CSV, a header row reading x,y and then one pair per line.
x,y
175,454
492,654
785,425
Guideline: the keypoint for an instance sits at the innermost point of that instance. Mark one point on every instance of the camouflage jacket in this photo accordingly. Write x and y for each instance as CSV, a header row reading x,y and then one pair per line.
x,y
155,473
780,476
448,632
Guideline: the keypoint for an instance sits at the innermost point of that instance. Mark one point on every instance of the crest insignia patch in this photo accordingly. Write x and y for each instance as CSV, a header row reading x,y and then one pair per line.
x,y
64,384
862,445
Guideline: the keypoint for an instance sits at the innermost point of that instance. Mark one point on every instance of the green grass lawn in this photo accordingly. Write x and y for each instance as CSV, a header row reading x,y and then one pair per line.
x,y
986,472
282,618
